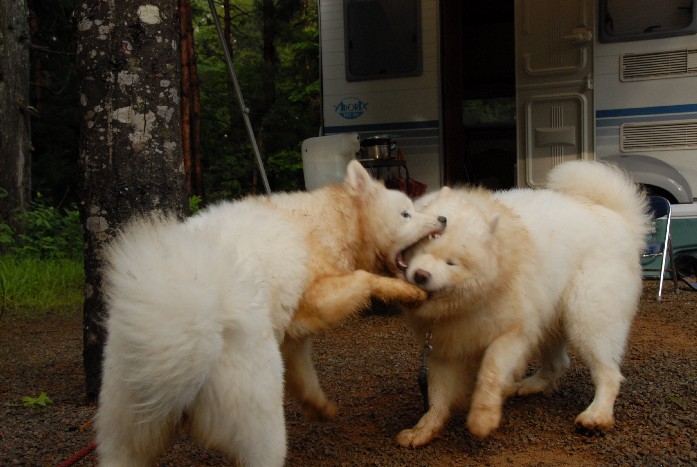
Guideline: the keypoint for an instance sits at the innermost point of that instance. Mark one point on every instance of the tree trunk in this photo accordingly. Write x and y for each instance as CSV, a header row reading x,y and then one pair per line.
x,y
15,137
191,103
130,144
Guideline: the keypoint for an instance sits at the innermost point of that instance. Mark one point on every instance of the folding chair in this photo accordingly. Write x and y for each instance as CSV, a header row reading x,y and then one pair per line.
x,y
659,244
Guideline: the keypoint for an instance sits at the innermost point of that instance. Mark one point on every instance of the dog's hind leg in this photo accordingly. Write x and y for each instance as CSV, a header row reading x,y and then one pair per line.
x,y
124,438
598,330
599,416
325,303
302,379
239,410
554,363
601,348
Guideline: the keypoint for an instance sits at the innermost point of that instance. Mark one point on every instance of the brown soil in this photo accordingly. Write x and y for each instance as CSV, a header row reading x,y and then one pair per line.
x,y
369,367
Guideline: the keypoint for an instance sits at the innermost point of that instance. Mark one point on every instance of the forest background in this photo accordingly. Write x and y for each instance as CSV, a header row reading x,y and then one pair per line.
x,y
67,187
274,45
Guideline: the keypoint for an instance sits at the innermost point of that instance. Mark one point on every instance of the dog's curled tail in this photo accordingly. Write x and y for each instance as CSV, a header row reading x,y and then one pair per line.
x,y
158,351
606,185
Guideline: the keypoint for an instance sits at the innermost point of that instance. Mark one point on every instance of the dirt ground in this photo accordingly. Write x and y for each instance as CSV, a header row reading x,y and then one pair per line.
x,y
369,367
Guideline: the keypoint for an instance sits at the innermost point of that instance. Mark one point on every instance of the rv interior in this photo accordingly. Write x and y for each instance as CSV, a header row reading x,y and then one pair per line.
x,y
478,92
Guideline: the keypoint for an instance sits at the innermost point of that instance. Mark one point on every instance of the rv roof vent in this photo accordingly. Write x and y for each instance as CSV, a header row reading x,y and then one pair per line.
x,y
645,136
669,64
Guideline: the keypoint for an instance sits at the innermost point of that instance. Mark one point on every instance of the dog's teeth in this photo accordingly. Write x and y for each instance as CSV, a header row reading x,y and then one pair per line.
x,y
433,236
400,263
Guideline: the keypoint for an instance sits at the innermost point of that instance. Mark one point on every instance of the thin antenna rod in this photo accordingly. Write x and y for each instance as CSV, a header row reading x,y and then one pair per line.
x,y
240,99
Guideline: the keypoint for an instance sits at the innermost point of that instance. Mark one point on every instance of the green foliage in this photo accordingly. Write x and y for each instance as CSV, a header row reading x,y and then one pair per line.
x,y
281,93
41,401
286,169
41,269
195,204
46,232
33,287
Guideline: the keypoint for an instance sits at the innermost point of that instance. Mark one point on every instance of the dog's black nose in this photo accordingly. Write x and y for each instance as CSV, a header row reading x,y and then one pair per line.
x,y
421,276
443,220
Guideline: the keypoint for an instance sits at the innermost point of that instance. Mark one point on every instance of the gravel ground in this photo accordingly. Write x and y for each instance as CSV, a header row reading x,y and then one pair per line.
x,y
369,367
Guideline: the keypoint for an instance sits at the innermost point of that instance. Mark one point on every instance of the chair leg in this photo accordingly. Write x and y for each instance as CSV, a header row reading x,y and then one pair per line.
x,y
660,279
673,268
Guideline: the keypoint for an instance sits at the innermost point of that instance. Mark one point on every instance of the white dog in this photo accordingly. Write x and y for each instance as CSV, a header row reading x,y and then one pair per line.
x,y
525,270
198,311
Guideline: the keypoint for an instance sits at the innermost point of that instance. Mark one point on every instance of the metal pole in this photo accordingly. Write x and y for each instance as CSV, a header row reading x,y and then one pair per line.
x,y
240,99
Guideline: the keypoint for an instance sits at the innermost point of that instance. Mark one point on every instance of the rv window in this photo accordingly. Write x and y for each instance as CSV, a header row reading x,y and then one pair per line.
x,y
632,20
382,38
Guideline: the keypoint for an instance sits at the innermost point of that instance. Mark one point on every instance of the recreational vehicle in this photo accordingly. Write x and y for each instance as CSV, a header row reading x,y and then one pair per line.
x,y
497,92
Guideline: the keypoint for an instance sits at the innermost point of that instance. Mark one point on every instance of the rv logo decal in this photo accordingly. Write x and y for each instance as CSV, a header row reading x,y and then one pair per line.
x,y
351,108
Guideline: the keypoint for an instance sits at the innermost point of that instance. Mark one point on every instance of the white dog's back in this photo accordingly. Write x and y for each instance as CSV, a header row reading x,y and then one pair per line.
x,y
177,293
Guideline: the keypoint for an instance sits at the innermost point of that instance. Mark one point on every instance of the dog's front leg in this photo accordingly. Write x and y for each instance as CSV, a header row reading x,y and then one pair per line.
x,y
302,379
445,387
330,300
502,361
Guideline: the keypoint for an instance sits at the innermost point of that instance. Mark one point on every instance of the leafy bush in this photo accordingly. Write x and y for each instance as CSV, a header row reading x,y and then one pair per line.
x,y
45,232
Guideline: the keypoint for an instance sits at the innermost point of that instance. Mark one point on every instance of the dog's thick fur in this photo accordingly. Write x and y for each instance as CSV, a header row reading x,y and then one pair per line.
x,y
198,312
525,270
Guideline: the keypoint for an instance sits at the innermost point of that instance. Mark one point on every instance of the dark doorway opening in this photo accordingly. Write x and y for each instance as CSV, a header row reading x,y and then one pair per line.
x,y
479,92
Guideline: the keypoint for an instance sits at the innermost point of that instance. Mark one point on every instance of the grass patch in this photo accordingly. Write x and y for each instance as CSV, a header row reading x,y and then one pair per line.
x,y
32,287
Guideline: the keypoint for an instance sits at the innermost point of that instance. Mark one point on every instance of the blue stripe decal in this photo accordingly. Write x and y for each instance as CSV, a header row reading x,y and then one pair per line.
x,y
637,111
382,127
651,118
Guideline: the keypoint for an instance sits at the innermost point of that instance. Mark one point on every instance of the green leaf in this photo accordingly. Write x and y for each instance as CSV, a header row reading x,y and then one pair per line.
x,y
677,401
42,400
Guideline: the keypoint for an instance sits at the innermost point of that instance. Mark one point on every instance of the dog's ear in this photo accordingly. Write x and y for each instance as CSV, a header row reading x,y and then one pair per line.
x,y
428,199
358,179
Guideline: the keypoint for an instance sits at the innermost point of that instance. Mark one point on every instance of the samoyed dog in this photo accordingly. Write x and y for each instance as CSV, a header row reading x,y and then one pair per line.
x,y
201,314
526,270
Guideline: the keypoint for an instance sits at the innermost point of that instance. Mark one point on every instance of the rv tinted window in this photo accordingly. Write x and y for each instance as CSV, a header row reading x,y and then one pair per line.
x,y
631,20
382,38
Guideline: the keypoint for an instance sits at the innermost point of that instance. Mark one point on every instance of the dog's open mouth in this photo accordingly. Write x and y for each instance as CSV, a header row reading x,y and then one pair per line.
x,y
399,261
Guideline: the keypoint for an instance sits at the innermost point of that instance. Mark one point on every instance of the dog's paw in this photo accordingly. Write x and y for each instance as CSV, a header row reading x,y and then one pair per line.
x,y
413,438
389,289
593,421
481,423
324,412
413,296
533,385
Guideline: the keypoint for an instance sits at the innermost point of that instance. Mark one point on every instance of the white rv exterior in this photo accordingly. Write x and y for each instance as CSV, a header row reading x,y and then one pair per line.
x,y
588,83
406,108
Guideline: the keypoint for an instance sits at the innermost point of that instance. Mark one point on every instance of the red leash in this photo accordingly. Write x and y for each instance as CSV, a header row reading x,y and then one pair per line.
x,y
78,455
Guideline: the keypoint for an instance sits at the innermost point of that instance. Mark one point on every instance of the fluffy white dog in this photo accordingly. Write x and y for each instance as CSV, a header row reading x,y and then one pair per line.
x,y
198,311
523,270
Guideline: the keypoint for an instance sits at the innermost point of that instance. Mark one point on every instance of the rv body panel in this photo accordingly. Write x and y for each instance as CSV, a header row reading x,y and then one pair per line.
x,y
646,105
554,69
575,96
406,108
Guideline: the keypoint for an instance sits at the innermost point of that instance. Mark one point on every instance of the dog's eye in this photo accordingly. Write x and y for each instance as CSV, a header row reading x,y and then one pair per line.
x,y
450,262
406,215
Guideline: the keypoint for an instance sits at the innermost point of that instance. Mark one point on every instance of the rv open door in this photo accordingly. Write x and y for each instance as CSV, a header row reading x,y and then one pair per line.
x,y
554,85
